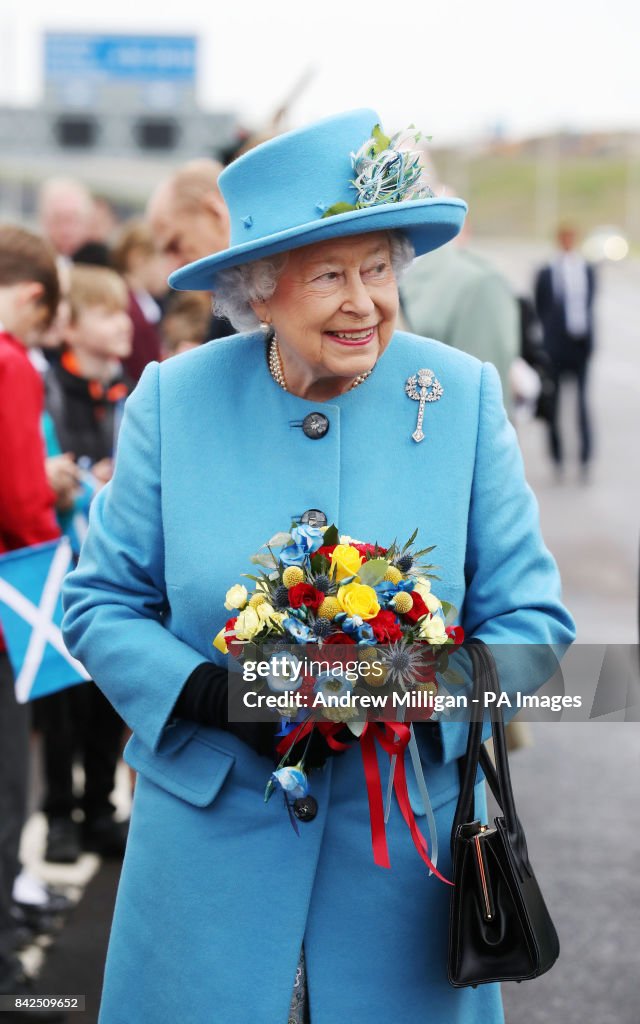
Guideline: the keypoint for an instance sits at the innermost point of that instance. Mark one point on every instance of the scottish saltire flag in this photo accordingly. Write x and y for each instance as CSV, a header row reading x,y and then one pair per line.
x,y
31,613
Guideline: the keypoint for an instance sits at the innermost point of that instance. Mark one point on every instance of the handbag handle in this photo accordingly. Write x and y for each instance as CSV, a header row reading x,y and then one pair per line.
x,y
485,679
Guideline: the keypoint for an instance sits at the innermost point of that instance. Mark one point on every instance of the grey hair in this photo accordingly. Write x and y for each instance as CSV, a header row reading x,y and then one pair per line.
x,y
237,287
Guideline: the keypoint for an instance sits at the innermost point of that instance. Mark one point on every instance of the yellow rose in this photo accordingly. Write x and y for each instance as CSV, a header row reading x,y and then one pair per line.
x,y
220,643
432,629
345,561
248,623
358,599
236,597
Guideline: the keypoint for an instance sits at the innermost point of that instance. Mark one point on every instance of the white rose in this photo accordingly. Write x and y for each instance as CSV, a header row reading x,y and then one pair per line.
x,y
248,624
267,613
236,597
423,587
432,629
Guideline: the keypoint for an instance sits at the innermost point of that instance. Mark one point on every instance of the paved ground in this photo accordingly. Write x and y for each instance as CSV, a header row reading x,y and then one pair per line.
x,y
577,785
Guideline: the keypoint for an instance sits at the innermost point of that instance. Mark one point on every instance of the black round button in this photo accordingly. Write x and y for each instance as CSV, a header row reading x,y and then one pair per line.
x,y
305,808
315,425
313,517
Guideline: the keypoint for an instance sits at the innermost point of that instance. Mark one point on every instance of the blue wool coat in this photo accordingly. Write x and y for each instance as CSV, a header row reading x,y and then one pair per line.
x,y
217,892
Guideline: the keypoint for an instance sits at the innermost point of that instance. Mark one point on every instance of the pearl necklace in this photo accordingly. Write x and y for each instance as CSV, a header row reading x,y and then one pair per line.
x,y
275,368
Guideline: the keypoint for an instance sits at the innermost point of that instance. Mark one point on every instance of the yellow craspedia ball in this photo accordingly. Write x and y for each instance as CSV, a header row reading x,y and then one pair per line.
x,y
329,608
292,574
257,599
392,575
403,602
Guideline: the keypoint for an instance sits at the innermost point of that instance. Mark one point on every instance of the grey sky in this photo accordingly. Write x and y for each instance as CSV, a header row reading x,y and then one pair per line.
x,y
454,68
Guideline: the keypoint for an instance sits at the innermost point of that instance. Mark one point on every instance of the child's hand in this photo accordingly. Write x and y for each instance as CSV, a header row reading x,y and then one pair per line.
x,y
103,471
64,479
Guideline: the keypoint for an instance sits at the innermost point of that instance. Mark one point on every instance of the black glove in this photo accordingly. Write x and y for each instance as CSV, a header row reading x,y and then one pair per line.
x,y
203,699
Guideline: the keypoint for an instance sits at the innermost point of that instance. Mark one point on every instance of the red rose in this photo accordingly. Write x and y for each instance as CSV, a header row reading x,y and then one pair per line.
x,y
326,550
456,633
370,550
338,638
306,690
386,627
304,593
233,646
418,610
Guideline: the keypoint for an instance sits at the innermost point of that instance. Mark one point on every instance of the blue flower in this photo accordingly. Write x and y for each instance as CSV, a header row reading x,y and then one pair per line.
x,y
300,633
386,590
308,537
355,627
292,554
284,672
304,541
333,683
292,780
366,634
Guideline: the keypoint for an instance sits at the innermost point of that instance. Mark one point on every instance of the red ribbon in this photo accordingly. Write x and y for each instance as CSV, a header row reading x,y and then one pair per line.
x,y
394,738
328,730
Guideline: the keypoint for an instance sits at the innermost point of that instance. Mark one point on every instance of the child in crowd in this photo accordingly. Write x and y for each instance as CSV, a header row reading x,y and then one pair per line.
x,y
29,294
186,322
85,394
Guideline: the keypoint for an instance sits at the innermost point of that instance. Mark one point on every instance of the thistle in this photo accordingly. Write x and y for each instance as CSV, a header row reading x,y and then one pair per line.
x,y
322,582
281,596
322,627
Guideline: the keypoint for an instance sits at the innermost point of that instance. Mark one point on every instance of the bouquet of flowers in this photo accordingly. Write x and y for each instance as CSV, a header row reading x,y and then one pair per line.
x,y
354,604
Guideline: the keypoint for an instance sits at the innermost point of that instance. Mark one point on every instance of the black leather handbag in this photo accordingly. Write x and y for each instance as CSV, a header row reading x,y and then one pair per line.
x,y
499,927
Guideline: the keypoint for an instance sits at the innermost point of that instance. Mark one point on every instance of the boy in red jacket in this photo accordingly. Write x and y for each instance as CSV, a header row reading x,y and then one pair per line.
x,y
29,295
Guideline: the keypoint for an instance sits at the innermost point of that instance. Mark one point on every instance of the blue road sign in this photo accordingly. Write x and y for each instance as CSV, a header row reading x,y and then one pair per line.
x,y
70,55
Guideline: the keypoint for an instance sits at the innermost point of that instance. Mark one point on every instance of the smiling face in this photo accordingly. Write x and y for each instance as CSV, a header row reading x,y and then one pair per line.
x,y
334,312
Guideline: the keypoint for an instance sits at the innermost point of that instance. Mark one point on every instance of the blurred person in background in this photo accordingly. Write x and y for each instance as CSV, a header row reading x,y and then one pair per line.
x,y
564,294
458,297
65,210
96,251
185,323
189,220
85,393
29,293
138,261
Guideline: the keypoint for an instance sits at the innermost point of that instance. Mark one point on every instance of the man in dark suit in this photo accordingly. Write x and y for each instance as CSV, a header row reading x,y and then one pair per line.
x,y
564,292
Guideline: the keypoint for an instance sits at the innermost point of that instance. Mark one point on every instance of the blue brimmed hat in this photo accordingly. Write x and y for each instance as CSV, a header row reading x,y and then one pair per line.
x,y
340,176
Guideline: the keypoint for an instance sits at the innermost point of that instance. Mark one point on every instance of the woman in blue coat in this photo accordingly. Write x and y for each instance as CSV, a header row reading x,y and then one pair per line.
x,y
304,417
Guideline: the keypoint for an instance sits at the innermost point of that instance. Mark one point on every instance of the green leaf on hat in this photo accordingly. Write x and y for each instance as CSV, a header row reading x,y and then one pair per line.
x,y
382,141
338,208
